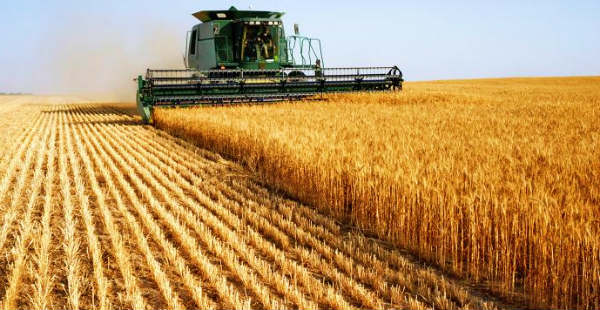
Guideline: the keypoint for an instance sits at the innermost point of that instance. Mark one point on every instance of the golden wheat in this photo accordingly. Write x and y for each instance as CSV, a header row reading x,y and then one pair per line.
x,y
279,282
92,239
227,236
266,228
100,212
41,298
492,180
226,291
22,242
189,281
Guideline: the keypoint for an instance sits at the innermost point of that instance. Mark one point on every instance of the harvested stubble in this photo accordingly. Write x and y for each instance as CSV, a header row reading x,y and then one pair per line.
x,y
98,211
497,181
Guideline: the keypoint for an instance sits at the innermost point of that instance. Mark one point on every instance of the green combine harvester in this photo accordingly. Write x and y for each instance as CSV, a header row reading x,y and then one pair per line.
x,y
244,56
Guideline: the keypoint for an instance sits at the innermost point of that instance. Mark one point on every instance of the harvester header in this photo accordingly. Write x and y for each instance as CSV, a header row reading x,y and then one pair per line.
x,y
236,56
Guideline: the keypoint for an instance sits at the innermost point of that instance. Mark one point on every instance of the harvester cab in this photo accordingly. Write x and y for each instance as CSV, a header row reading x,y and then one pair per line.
x,y
236,56
235,39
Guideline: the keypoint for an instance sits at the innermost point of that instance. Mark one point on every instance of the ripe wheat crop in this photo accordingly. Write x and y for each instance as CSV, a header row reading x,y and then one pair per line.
x,y
98,211
496,181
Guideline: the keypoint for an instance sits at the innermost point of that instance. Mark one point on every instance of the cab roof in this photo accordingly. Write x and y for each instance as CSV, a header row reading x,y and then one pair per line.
x,y
234,14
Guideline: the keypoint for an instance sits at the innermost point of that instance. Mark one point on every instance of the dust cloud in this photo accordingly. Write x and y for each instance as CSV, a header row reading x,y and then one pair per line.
x,y
93,58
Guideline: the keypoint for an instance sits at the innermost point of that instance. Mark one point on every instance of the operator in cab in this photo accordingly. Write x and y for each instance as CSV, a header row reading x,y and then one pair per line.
x,y
265,42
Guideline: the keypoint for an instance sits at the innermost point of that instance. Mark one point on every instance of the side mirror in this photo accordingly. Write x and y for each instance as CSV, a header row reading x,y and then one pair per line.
x,y
296,29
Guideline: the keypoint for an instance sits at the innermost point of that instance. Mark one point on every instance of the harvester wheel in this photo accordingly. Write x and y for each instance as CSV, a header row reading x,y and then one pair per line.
x,y
396,78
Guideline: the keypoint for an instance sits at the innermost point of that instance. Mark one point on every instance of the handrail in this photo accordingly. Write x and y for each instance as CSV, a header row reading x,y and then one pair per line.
x,y
300,42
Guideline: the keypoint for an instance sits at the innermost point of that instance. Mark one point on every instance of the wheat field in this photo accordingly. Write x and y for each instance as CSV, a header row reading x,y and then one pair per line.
x,y
494,181
100,212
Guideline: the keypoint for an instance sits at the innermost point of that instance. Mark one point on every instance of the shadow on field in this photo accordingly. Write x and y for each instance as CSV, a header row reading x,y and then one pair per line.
x,y
108,122
116,114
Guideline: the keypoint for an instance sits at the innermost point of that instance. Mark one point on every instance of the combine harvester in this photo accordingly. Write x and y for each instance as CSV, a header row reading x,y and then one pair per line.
x,y
244,56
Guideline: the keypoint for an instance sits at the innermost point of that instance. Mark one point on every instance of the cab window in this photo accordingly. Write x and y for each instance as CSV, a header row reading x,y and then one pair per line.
x,y
258,42
193,42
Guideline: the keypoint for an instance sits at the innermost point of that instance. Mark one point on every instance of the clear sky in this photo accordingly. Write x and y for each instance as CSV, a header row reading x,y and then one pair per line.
x,y
99,46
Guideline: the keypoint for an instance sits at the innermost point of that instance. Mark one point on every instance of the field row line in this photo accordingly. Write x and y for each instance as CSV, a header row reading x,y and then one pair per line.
x,y
189,281
280,282
44,282
215,224
365,298
372,279
20,249
17,149
226,292
428,280
216,248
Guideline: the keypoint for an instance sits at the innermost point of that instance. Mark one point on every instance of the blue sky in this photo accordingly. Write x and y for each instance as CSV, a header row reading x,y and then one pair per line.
x,y
99,46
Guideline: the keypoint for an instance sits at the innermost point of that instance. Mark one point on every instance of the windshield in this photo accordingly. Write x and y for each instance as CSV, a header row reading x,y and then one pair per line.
x,y
259,43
